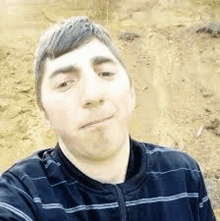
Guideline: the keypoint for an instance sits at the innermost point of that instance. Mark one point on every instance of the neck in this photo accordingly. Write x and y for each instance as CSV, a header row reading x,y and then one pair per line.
x,y
110,170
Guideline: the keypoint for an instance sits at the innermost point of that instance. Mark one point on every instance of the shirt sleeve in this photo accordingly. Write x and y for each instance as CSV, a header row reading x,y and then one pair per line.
x,y
15,202
205,208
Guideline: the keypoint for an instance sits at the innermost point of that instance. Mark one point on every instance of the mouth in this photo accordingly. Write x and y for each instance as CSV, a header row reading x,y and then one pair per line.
x,y
96,122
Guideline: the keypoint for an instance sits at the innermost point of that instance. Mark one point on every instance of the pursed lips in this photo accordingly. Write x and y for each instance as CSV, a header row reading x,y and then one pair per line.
x,y
95,122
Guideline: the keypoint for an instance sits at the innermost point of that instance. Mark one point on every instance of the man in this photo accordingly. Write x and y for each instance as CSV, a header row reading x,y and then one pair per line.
x,y
96,171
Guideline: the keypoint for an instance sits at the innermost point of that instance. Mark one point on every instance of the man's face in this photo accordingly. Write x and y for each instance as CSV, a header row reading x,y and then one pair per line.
x,y
88,99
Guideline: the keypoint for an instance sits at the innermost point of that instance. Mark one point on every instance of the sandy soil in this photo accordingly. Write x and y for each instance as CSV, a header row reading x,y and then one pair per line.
x,y
175,69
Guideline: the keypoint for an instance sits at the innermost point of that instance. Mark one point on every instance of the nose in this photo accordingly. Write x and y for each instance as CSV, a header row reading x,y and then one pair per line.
x,y
93,89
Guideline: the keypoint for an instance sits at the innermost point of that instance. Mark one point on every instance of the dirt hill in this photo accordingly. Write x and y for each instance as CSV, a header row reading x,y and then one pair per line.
x,y
172,51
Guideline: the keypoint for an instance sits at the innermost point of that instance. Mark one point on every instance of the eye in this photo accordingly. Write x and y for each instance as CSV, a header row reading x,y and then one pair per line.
x,y
106,74
64,85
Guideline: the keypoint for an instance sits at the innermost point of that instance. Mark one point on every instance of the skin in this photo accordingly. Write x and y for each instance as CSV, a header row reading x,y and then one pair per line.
x,y
79,88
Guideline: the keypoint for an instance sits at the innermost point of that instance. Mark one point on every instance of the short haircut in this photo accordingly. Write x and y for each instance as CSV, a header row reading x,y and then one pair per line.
x,y
64,37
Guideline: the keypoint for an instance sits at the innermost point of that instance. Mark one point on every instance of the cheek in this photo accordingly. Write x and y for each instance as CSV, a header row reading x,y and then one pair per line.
x,y
124,101
55,114
63,112
55,108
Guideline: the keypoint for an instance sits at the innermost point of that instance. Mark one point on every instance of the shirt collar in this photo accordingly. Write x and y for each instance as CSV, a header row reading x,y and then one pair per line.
x,y
136,168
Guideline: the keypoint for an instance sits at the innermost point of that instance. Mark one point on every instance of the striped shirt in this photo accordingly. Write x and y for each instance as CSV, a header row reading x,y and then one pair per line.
x,y
162,184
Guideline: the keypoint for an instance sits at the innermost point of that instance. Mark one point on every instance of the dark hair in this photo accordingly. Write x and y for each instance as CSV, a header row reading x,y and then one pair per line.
x,y
65,37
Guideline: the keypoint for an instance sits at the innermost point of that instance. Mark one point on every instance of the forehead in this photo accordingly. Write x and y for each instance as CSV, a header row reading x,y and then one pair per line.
x,y
81,56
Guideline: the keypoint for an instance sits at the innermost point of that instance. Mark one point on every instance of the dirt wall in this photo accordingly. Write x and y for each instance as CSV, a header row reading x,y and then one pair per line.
x,y
175,69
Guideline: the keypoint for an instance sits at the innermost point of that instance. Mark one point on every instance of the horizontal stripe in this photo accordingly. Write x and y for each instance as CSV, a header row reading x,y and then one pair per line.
x,y
51,161
162,199
169,171
2,181
160,150
205,199
42,160
56,184
39,178
115,204
15,211
33,178
20,190
34,157
73,183
81,207
37,200
77,208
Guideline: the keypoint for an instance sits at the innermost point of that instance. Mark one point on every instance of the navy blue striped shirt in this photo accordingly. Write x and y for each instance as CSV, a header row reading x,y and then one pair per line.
x,y
161,184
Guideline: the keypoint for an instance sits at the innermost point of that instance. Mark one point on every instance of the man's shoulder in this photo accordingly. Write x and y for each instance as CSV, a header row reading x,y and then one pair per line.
x,y
166,158
33,165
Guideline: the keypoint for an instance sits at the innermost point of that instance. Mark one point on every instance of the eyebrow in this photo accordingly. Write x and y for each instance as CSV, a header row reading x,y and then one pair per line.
x,y
62,70
97,60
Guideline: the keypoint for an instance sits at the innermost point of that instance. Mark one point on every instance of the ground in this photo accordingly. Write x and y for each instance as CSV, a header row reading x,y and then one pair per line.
x,y
172,51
